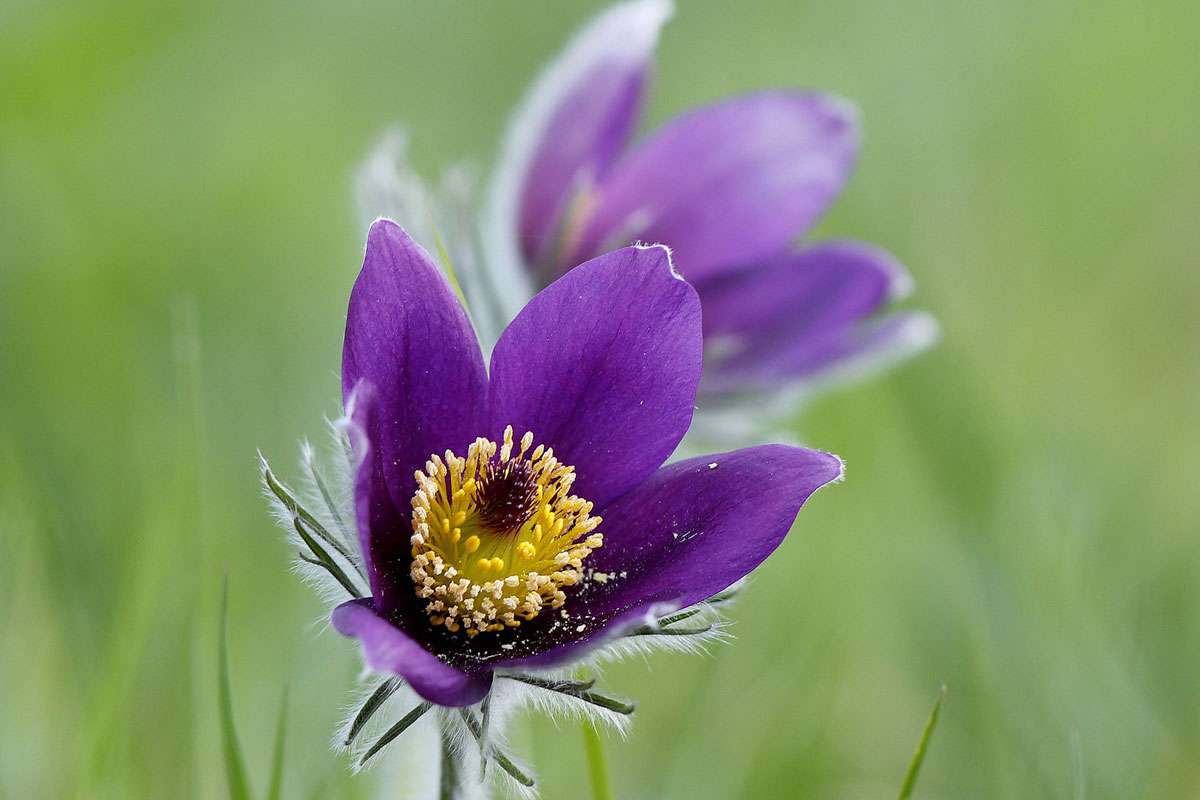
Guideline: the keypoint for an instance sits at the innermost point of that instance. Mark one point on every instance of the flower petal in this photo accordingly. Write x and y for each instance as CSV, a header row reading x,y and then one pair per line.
x,y
803,314
845,356
602,366
728,183
388,649
692,529
819,287
382,532
573,123
408,336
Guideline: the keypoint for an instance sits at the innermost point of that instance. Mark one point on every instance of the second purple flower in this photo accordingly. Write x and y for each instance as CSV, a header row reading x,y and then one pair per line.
x,y
729,187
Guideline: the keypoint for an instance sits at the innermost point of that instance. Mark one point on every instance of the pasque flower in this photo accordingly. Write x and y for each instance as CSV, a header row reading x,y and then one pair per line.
x,y
512,518
516,519
730,187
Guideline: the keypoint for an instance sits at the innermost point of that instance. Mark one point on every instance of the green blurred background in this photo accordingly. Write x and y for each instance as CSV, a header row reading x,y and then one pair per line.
x,y
1020,516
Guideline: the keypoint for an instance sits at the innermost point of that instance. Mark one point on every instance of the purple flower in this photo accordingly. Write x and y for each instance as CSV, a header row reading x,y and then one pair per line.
x,y
517,516
729,187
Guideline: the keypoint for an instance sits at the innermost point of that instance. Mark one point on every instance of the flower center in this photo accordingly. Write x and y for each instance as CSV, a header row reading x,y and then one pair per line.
x,y
497,535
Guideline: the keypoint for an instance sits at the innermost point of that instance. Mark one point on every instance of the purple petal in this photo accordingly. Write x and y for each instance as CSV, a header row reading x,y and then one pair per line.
x,y
819,287
388,649
408,337
575,121
840,357
693,529
806,313
382,532
602,365
729,183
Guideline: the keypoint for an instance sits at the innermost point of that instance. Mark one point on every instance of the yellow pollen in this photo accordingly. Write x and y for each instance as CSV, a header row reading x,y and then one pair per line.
x,y
497,535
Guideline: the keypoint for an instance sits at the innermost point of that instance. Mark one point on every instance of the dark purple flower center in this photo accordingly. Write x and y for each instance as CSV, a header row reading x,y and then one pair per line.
x,y
506,496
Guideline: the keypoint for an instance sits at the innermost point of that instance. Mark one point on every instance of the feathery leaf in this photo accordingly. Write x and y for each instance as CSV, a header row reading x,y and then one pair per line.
x,y
373,704
324,559
290,502
502,760
565,687
391,733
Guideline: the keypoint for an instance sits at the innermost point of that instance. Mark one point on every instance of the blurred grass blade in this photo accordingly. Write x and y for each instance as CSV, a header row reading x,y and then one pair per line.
x,y
394,731
235,767
373,704
275,792
597,759
914,768
597,762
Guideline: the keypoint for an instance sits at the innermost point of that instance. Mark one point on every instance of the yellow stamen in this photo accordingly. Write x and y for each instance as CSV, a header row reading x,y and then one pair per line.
x,y
504,507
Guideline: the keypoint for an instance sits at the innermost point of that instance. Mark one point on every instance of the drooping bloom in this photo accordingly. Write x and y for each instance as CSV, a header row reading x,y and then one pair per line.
x,y
514,517
729,187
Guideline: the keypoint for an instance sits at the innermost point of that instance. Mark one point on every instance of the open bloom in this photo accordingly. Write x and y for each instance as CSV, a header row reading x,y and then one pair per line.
x,y
514,517
729,187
